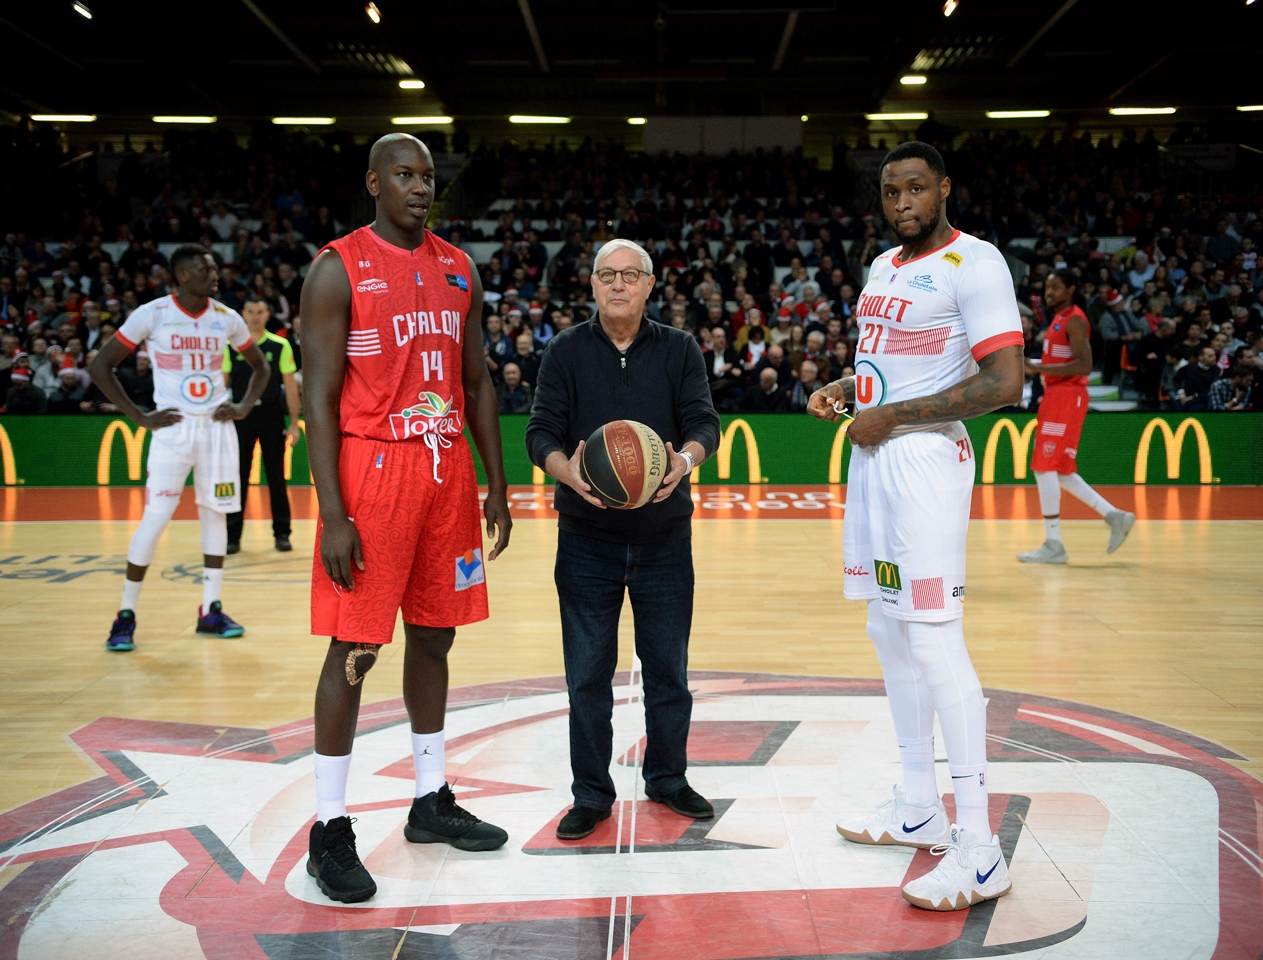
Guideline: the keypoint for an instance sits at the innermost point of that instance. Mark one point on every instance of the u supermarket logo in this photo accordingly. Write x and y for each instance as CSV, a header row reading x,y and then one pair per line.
x,y
197,388
888,575
225,489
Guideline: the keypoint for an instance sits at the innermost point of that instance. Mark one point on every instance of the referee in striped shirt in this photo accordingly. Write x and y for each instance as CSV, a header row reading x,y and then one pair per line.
x,y
266,422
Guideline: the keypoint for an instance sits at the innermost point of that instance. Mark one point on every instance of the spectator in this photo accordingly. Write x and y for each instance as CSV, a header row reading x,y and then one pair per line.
x,y
1233,391
808,382
755,347
765,395
514,395
840,359
723,369
775,359
496,346
526,357
23,396
1191,345
137,381
1119,329
69,394
1193,380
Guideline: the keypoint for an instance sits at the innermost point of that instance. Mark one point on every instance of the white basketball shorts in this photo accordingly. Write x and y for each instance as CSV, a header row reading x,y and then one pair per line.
x,y
206,447
907,515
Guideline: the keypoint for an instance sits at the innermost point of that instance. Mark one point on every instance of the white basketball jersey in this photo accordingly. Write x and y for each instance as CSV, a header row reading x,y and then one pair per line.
x,y
187,351
923,323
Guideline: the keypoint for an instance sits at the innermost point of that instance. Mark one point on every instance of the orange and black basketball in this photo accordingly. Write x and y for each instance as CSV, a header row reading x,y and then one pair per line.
x,y
624,463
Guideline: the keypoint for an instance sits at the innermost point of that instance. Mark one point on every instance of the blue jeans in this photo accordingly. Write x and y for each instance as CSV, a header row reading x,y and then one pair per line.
x,y
591,576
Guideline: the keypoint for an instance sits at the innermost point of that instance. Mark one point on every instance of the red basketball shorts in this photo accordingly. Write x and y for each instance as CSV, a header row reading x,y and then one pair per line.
x,y
1060,418
421,541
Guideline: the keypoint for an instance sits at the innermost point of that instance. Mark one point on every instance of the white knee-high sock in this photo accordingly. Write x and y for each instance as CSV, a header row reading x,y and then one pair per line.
x,y
939,652
331,774
1049,503
212,580
427,761
910,705
131,594
1077,487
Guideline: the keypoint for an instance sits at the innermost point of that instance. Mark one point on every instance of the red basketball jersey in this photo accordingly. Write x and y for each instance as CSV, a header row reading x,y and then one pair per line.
x,y
403,350
1057,346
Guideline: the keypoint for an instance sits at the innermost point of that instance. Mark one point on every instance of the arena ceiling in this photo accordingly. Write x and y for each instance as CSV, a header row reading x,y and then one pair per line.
x,y
242,60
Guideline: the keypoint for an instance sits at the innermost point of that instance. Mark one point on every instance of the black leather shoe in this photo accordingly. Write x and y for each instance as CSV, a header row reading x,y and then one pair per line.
x,y
436,818
686,801
580,822
283,544
332,860
234,547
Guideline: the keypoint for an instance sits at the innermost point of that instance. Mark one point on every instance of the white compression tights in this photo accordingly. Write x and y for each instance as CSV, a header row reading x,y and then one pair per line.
x,y
927,669
158,513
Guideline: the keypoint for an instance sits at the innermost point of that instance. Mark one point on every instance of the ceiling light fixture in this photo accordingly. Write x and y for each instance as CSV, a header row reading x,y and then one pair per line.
x,y
174,119
896,116
950,7
303,121
1251,108
803,118
529,118
82,10
1140,111
1016,114
373,13
411,84
912,80
636,121
418,121
63,117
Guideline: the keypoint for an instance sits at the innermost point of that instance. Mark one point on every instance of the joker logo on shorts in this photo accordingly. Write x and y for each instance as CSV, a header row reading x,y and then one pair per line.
x,y
429,415
197,388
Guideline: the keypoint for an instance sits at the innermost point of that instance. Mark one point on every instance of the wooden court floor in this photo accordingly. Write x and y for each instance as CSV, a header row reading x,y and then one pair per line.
x,y
1166,629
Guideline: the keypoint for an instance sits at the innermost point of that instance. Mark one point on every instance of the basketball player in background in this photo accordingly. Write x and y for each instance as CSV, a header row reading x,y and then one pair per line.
x,y
187,333
392,339
940,341
1066,363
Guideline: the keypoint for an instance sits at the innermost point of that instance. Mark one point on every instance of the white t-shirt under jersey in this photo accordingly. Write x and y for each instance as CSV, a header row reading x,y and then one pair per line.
x,y
925,322
187,351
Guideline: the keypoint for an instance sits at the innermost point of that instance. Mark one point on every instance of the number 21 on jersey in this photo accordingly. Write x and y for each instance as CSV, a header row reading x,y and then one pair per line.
x,y
966,450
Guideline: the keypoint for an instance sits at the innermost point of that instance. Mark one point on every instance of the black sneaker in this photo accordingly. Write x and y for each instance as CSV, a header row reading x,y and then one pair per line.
x,y
234,546
332,860
580,822
686,801
122,634
435,818
283,544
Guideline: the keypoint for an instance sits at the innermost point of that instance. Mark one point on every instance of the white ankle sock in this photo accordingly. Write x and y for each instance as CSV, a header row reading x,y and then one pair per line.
x,y
427,761
970,785
1077,487
916,758
331,773
1052,528
131,594
212,580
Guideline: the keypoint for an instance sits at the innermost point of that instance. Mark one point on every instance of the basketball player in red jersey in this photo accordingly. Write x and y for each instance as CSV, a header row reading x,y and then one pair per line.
x,y
392,338
1066,363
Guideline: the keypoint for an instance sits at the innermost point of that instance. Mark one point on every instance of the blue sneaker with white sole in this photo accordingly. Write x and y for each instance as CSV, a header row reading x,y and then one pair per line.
x,y
215,623
123,631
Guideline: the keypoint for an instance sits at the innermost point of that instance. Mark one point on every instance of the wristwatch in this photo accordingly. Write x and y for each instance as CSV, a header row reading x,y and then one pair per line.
x,y
689,457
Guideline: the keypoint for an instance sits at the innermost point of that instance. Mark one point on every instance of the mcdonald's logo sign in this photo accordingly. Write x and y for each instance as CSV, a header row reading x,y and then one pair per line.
x,y
888,575
7,460
225,489
134,443
1174,443
724,459
835,454
1020,442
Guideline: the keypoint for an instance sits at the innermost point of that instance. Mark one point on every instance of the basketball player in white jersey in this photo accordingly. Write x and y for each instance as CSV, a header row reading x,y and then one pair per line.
x,y
940,341
192,426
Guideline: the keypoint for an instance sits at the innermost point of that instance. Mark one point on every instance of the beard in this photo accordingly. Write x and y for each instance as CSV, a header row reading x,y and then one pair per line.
x,y
925,230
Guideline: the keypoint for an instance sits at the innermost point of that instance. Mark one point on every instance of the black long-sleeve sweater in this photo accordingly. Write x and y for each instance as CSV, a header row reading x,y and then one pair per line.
x,y
585,382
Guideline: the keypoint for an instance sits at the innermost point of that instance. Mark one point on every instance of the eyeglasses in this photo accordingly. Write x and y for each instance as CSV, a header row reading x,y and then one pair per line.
x,y
630,275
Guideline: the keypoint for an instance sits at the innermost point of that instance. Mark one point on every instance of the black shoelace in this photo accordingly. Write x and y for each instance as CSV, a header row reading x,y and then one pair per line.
x,y
341,847
447,808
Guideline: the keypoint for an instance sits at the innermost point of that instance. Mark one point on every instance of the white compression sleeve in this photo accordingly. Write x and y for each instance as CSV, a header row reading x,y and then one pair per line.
x,y
153,521
1049,503
1077,487
214,531
910,705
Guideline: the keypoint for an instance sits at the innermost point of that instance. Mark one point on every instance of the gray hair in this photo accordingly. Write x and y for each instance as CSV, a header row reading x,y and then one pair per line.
x,y
609,247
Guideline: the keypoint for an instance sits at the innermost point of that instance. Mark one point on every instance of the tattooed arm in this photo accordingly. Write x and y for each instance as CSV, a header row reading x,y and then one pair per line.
x,y
998,383
820,405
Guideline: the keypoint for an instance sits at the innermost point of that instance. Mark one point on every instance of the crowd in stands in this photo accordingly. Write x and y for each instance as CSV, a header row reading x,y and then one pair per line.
x,y
760,256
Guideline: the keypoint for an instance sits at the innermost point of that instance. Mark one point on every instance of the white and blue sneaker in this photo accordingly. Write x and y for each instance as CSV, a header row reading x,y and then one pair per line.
x,y
897,821
972,870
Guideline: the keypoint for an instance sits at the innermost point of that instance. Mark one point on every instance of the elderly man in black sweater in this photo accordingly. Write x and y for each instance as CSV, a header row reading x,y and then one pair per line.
x,y
623,366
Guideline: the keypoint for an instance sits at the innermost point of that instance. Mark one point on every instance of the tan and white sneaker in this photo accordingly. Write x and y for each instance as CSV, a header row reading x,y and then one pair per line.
x,y
972,870
897,821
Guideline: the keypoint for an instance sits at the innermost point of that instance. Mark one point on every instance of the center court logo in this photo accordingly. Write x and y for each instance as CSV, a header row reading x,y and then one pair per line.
x,y
430,415
469,569
870,384
372,285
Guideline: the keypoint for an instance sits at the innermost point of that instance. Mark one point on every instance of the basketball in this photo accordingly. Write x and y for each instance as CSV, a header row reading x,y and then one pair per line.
x,y
624,463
